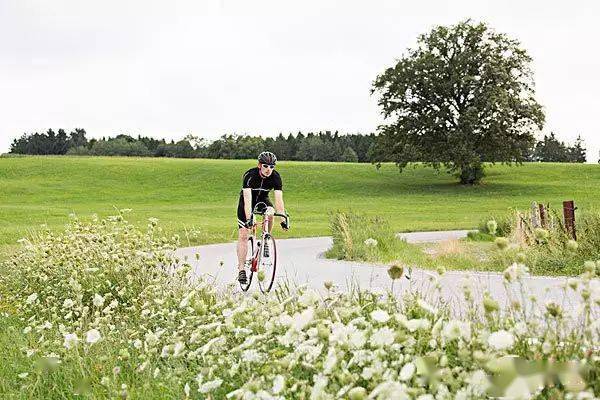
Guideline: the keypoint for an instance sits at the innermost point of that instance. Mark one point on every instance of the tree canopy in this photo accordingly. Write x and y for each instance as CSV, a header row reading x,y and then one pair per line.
x,y
463,96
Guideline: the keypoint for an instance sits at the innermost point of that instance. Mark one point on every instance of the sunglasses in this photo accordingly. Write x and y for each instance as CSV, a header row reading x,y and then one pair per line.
x,y
272,166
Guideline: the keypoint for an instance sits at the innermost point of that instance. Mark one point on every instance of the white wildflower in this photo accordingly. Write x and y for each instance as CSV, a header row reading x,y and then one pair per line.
x,y
426,397
357,339
417,324
407,371
278,384
382,337
455,329
178,349
31,298
98,300
151,339
166,351
318,389
68,303
227,312
251,355
210,386
285,320
330,361
380,316
339,333
301,320
479,381
308,298
71,340
92,336
501,340
520,328
370,242
389,390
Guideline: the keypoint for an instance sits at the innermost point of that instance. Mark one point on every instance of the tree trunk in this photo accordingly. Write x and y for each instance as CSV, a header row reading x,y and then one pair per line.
x,y
471,174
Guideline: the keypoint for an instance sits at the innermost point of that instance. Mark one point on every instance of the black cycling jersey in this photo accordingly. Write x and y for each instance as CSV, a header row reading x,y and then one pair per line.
x,y
261,186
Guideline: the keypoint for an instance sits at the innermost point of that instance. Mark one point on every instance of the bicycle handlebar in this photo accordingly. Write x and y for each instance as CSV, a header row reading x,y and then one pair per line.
x,y
287,217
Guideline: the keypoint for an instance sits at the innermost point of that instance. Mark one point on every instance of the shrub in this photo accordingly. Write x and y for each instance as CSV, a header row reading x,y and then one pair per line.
x,y
119,147
79,151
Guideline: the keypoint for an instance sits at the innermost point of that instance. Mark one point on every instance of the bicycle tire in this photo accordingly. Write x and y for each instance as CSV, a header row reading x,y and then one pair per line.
x,y
267,284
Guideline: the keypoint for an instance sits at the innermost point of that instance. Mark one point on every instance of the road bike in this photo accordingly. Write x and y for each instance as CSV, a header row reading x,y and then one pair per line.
x,y
261,258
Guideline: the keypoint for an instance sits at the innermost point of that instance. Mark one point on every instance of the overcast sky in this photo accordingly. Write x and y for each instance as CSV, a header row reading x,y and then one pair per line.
x,y
169,68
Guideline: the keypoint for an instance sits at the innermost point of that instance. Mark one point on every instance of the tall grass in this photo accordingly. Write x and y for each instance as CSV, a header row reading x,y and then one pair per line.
x,y
551,251
358,237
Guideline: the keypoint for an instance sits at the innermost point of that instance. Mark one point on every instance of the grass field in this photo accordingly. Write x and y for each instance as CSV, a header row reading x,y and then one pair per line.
x,y
200,196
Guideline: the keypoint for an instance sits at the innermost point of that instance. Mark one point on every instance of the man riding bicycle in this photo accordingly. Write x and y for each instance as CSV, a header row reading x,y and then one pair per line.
x,y
256,184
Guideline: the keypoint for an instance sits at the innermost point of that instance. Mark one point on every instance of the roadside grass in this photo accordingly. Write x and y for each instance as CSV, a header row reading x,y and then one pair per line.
x,y
199,196
362,238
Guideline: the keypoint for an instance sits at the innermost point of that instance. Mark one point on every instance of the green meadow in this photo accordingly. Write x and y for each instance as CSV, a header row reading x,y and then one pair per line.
x,y
197,198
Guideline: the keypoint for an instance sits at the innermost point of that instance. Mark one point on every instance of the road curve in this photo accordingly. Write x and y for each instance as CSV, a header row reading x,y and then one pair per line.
x,y
301,261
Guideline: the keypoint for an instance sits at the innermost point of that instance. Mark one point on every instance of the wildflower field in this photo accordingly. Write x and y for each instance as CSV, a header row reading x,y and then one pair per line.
x,y
103,309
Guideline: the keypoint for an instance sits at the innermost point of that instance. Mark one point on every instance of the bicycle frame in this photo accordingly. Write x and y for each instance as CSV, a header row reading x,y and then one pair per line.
x,y
260,250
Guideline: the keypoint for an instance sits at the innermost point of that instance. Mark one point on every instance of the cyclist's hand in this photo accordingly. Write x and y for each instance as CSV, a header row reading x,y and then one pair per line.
x,y
284,226
249,223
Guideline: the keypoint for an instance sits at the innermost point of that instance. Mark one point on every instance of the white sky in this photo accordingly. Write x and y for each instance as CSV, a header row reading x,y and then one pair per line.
x,y
169,68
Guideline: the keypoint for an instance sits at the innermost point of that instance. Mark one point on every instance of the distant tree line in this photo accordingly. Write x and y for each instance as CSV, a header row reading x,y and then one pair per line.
x,y
320,146
550,149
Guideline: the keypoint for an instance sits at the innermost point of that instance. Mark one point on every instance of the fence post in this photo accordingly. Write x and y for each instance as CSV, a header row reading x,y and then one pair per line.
x,y
534,219
569,216
543,216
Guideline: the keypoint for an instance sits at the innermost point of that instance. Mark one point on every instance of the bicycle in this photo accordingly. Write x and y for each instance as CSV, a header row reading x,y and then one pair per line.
x,y
262,258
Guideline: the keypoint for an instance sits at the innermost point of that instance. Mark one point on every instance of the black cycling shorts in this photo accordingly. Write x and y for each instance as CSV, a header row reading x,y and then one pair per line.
x,y
241,214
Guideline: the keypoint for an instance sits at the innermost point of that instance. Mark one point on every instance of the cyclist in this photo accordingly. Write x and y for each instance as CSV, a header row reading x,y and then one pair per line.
x,y
256,184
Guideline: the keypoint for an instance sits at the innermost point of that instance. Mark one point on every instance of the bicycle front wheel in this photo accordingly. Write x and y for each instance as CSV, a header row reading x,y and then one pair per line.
x,y
267,264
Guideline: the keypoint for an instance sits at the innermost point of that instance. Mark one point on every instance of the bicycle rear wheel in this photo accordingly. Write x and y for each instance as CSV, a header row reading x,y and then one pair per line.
x,y
248,264
267,263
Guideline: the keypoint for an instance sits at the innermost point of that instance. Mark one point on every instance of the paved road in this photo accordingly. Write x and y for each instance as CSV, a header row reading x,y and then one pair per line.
x,y
301,261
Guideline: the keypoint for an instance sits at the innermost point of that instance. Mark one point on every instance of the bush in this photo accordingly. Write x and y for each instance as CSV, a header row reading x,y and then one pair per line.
x,y
79,151
349,155
120,147
478,236
504,224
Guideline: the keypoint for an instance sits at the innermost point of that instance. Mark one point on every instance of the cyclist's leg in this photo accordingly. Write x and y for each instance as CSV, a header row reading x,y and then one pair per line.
x,y
242,247
242,244
269,217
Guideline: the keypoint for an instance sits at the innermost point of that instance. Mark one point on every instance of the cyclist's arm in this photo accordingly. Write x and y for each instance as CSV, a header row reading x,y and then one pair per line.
x,y
279,207
247,192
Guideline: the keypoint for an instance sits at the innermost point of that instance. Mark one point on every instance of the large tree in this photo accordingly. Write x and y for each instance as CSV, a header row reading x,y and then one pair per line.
x,y
463,96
